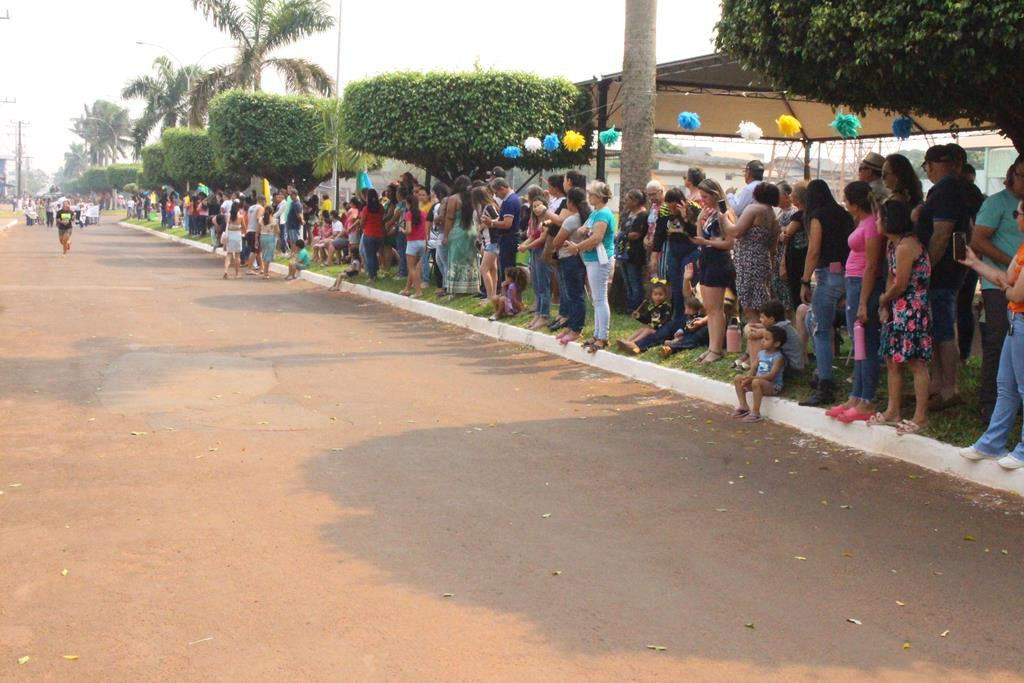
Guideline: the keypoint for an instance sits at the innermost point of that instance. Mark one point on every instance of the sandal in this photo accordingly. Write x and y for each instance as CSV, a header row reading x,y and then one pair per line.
x,y
880,420
909,427
599,345
711,357
739,412
751,418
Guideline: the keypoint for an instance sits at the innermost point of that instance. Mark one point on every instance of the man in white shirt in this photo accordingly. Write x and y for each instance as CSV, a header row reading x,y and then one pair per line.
x,y
753,175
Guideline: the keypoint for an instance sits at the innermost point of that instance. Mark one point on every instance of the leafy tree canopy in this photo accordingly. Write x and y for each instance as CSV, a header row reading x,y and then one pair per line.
x,y
455,123
154,172
273,136
944,58
120,175
94,179
188,155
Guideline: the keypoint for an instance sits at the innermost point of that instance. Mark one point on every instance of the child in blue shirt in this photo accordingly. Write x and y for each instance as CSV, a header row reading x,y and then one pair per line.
x,y
764,378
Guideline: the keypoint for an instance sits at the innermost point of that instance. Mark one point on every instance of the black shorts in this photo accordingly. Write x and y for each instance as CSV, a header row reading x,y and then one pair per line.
x,y
717,275
250,241
63,232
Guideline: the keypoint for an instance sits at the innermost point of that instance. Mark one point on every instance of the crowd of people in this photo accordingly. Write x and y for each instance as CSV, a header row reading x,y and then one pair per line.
x,y
43,210
787,268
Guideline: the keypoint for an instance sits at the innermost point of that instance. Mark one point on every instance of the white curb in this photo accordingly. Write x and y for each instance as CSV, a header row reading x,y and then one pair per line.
x,y
14,221
915,449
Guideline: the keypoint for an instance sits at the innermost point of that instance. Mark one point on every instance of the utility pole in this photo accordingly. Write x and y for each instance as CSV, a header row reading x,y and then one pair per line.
x,y
337,94
20,152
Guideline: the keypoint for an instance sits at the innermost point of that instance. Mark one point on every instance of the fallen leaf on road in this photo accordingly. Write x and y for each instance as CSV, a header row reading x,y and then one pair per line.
x,y
906,646
448,595
656,648
63,572
824,502
901,603
847,554
212,448
845,507
557,572
22,660
968,537
749,624
799,557
70,657
14,486
92,419
263,422
139,433
854,621
944,633
1004,551
546,515
721,509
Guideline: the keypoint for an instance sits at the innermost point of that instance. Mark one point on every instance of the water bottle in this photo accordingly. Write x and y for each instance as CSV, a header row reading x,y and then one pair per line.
x,y
733,337
859,345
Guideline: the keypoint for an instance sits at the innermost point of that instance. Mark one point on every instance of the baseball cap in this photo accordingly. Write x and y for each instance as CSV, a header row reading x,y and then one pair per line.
x,y
755,165
939,154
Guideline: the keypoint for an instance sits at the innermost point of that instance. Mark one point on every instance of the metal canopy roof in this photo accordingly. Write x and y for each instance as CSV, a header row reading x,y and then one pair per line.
x,y
723,93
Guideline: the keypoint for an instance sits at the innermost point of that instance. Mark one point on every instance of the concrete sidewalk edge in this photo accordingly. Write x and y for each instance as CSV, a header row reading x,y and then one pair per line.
x,y
919,450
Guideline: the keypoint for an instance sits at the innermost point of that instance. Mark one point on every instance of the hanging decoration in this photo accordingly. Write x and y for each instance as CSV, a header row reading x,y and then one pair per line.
x,y
749,130
609,137
901,127
512,152
573,141
532,144
551,142
847,125
688,120
788,125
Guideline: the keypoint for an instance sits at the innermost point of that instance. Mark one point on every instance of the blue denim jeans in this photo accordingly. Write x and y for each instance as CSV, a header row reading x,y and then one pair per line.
x,y
633,280
293,236
943,303
1009,394
441,259
425,266
828,290
508,250
403,267
370,246
676,260
572,304
865,372
540,278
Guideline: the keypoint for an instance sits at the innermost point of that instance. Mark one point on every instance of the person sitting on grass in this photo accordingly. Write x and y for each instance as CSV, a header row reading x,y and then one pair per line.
x,y
694,331
764,378
510,302
654,313
299,260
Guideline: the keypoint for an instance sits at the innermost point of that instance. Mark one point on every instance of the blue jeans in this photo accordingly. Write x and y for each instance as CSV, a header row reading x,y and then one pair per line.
x,y
508,250
865,372
425,266
676,260
400,241
943,303
441,260
572,305
828,291
370,246
598,275
540,277
633,279
1009,394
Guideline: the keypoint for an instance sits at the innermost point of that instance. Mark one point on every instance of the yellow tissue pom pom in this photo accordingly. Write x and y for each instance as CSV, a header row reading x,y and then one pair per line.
x,y
573,141
788,125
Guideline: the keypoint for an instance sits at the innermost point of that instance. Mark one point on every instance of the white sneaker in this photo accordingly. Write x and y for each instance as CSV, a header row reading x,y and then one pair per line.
x,y
1010,462
972,453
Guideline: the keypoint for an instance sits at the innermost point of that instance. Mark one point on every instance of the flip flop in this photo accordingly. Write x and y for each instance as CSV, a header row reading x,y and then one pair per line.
x,y
853,415
751,418
879,420
909,427
739,413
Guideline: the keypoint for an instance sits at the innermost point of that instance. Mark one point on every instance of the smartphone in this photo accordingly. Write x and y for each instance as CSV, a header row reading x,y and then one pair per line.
x,y
959,246
722,206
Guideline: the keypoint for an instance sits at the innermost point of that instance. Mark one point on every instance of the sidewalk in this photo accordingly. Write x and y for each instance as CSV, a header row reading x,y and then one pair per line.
x,y
919,450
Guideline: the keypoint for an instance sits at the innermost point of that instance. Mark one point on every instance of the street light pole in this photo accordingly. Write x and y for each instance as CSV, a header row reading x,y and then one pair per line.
x,y
337,94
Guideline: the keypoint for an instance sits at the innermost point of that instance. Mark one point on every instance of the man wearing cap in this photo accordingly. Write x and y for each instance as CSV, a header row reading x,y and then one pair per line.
x,y
996,239
752,176
870,172
944,213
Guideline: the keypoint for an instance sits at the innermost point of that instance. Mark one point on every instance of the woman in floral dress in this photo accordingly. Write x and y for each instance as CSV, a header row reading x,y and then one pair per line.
x,y
905,316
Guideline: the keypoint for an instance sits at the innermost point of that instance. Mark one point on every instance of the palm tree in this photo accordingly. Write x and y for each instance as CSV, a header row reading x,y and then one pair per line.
x,y
333,147
76,160
106,129
260,27
165,93
637,95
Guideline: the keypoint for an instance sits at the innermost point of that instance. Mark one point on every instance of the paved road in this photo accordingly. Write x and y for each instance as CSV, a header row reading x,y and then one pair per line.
x,y
261,481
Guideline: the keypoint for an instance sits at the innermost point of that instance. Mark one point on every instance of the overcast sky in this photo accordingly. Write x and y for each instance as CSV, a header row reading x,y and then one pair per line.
x,y
61,54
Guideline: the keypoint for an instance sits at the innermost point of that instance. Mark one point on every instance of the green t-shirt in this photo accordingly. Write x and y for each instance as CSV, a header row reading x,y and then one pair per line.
x,y
303,257
997,214
605,214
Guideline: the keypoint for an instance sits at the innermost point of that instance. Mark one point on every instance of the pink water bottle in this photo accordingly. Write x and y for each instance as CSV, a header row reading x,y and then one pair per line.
x,y
859,345
733,337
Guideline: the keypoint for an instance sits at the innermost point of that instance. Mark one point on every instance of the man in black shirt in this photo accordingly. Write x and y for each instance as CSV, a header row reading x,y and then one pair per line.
x,y
65,221
945,212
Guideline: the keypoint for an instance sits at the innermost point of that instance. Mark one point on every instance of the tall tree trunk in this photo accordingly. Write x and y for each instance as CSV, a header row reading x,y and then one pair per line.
x,y
637,95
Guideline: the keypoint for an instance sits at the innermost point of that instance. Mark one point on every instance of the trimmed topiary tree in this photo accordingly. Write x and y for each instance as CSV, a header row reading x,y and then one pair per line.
x,y
120,175
154,172
188,155
459,123
272,136
94,179
945,59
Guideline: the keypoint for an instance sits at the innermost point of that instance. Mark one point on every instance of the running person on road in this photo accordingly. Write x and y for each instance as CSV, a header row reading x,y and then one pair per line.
x,y
65,221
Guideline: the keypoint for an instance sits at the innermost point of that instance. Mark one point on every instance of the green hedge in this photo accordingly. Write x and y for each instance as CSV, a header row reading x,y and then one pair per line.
x,y
154,171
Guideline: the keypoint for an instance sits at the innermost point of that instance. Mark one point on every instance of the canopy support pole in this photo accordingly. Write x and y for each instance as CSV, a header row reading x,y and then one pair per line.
x,y
807,159
602,123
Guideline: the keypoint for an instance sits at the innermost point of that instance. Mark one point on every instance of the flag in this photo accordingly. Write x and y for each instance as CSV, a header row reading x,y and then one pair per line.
x,y
363,182
203,188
